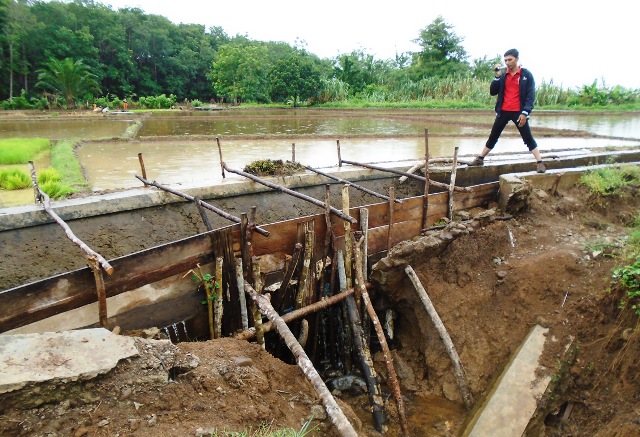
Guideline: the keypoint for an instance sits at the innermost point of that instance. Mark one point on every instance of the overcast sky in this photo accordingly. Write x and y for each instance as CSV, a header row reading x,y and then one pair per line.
x,y
570,42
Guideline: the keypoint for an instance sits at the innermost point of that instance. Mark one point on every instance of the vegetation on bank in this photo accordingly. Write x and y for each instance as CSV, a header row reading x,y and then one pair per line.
x,y
623,181
77,54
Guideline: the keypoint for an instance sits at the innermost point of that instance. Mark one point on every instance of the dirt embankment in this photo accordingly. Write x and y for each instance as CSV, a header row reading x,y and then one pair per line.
x,y
550,265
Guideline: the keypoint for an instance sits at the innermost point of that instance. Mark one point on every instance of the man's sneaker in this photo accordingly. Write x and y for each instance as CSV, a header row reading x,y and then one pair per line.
x,y
478,162
542,167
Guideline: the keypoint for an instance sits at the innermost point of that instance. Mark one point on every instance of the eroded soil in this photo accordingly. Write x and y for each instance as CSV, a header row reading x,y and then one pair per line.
x,y
550,265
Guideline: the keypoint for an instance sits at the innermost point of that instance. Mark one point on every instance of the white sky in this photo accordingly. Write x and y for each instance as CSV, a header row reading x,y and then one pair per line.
x,y
570,42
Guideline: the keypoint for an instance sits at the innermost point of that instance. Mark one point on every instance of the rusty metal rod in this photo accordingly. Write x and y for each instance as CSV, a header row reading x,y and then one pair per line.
x,y
356,186
291,192
404,173
198,201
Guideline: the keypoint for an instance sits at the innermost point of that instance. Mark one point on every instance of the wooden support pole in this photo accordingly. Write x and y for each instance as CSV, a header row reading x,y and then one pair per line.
x,y
142,169
220,153
208,206
452,183
425,206
102,294
203,213
257,317
44,198
339,155
281,295
393,378
356,186
296,314
306,276
292,193
332,408
390,227
218,307
444,335
348,242
293,152
241,297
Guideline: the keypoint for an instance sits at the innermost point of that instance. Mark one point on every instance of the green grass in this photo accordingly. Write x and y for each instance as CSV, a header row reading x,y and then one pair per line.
x,y
611,181
21,150
65,162
14,179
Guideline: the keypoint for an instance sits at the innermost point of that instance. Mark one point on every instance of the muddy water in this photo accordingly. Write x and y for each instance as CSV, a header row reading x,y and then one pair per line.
x,y
61,129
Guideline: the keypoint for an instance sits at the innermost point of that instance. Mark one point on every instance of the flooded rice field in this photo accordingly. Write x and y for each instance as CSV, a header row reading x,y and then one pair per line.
x,y
179,147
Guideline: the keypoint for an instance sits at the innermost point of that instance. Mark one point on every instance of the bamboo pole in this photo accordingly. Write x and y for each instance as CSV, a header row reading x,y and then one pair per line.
x,y
393,378
454,169
199,201
243,300
296,314
444,335
44,198
356,186
291,192
257,317
331,406
218,307
102,294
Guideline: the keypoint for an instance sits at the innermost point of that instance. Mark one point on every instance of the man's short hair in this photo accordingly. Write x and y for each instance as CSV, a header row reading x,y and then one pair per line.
x,y
512,52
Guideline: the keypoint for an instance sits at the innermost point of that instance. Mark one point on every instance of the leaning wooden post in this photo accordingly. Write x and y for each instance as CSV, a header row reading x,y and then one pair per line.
x,y
393,378
281,294
444,335
364,229
452,184
218,307
102,294
425,207
392,195
257,318
220,153
331,406
348,243
243,300
142,169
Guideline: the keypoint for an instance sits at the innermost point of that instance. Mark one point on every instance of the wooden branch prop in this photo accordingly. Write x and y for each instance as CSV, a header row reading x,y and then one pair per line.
x,y
292,193
425,197
452,183
44,198
257,317
203,214
142,169
390,226
444,335
393,378
281,295
339,154
414,176
102,294
218,307
243,300
348,242
366,363
331,406
419,164
220,153
364,232
356,186
306,276
296,314
199,201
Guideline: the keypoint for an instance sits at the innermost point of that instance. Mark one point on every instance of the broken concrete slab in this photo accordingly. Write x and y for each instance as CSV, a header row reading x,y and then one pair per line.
x,y
509,407
65,356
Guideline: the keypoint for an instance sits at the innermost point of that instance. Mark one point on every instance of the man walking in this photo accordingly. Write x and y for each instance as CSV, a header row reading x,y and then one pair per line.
x,y
516,94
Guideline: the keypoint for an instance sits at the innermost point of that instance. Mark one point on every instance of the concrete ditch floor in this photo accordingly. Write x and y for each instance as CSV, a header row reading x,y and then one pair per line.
x,y
509,407
71,355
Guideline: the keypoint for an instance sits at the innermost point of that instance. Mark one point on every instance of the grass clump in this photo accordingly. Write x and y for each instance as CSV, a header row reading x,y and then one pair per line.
x,y
14,179
611,181
21,150
271,167
65,162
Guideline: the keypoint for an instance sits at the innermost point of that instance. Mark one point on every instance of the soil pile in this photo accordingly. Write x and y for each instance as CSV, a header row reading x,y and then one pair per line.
x,y
551,265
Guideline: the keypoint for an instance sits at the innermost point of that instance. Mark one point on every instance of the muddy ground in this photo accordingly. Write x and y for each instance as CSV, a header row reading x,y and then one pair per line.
x,y
549,265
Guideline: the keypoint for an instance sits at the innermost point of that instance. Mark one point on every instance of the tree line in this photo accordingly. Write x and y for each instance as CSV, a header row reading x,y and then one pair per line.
x,y
65,54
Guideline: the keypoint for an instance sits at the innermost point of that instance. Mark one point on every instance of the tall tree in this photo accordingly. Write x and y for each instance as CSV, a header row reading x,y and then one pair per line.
x,y
67,78
294,77
442,53
240,72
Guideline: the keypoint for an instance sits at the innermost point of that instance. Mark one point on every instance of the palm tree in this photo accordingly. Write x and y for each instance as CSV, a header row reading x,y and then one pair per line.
x,y
68,78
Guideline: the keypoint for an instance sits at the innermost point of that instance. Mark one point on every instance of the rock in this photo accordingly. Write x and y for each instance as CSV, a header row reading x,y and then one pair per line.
x,y
501,274
243,361
318,412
